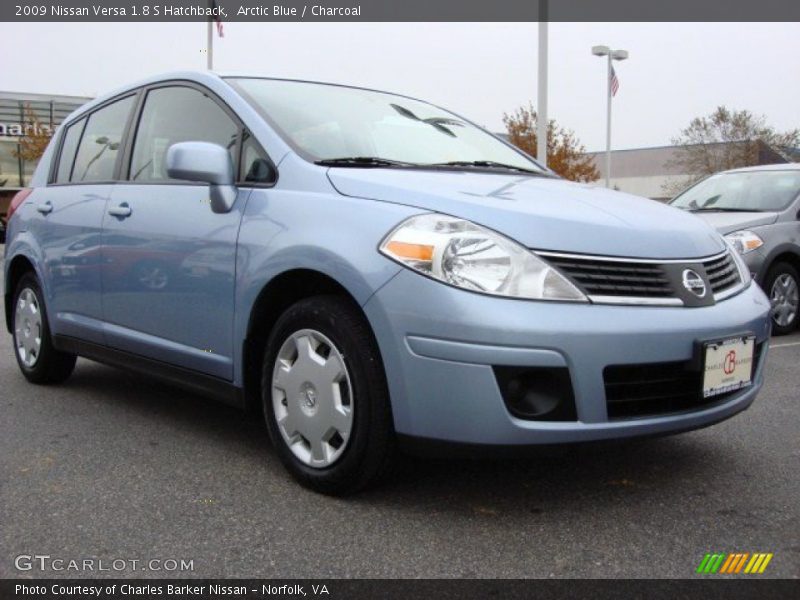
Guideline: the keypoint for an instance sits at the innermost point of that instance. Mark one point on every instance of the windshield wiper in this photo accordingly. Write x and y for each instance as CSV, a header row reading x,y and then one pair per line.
x,y
362,161
487,164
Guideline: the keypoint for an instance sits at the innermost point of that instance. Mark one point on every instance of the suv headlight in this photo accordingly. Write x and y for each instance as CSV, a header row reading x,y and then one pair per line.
x,y
744,270
474,258
744,241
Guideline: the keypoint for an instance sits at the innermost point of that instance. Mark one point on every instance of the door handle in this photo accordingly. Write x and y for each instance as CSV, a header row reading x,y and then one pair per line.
x,y
121,211
45,208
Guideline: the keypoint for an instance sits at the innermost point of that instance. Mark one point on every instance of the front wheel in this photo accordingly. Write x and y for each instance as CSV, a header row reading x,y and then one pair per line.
x,y
781,284
325,397
38,360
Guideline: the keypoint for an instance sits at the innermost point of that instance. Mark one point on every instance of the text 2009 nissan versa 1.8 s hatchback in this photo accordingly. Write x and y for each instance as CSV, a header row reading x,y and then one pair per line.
x,y
374,272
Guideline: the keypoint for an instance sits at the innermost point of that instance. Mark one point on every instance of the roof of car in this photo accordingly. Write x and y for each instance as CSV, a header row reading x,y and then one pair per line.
x,y
793,166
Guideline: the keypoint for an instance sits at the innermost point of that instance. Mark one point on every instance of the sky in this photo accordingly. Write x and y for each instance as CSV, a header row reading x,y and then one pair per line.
x,y
676,71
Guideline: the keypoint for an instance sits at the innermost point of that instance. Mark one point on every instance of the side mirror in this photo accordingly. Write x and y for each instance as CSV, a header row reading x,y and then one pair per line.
x,y
209,163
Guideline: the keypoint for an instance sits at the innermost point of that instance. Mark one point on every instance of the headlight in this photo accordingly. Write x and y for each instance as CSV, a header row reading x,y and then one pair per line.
x,y
471,257
744,241
744,270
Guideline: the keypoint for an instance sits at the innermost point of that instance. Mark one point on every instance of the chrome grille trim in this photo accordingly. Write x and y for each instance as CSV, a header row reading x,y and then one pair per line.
x,y
622,259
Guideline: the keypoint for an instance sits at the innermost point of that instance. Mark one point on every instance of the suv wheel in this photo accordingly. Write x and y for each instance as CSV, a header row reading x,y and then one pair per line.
x,y
325,397
38,360
781,285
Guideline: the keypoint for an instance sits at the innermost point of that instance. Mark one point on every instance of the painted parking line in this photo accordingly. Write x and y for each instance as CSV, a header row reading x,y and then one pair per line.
x,y
784,345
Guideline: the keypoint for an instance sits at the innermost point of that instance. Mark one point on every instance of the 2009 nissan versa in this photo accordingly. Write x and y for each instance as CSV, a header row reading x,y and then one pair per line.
x,y
374,272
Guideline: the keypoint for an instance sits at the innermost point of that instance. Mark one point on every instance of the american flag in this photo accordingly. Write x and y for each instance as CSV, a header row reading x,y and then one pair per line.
x,y
614,82
217,20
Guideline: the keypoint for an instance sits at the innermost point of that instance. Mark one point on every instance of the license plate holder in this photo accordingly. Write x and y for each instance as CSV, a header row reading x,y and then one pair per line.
x,y
727,364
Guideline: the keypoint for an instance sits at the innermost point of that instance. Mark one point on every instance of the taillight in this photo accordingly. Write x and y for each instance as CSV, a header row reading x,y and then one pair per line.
x,y
17,201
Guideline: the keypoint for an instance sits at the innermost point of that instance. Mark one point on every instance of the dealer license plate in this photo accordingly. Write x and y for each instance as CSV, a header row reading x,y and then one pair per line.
x,y
728,365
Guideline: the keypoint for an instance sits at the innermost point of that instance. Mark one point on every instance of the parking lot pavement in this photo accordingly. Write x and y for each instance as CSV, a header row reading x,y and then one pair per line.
x,y
116,466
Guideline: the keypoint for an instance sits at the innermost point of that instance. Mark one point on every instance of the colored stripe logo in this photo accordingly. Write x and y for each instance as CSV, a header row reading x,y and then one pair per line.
x,y
735,562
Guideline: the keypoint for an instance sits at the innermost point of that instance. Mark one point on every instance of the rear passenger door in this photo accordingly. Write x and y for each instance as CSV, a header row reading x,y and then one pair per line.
x,y
69,216
169,261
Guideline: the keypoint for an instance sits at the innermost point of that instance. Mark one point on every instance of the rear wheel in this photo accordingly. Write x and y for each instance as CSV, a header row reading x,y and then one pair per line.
x,y
781,284
325,397
38,360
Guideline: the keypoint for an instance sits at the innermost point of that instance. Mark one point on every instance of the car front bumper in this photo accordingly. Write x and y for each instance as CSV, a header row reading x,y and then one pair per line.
x,y
440,344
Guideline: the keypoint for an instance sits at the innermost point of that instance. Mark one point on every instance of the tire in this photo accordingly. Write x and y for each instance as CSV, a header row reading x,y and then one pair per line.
x,y
344,458
38,360
781,285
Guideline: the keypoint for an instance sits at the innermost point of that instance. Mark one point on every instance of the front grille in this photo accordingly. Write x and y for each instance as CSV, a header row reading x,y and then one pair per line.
x,y
722,273
610,278
659,388
607,279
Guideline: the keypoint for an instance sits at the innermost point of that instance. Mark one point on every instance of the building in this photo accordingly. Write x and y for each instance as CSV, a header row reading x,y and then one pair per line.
x,y
15,111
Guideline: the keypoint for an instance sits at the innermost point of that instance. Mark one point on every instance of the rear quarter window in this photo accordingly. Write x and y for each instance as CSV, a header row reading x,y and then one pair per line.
x,y
72,136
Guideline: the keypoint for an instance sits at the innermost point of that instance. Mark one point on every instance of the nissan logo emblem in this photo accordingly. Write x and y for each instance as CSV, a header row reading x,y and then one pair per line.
x,y
694,283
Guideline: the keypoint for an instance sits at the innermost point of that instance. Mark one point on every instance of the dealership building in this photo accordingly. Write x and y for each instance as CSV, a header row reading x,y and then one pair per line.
x,y
15,111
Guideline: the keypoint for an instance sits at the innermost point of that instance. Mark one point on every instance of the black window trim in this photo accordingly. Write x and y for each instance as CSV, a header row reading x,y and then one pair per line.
x,y
51,178
121,175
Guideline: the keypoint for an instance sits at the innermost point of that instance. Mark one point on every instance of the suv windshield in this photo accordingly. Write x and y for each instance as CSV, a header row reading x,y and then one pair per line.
x,y
356,127
751,191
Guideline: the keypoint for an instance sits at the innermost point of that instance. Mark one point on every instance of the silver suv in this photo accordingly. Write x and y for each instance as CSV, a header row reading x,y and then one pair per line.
x,y
758,210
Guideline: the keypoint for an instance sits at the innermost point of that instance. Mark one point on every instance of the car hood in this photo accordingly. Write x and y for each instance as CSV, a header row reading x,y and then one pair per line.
x,y
727,222
541,213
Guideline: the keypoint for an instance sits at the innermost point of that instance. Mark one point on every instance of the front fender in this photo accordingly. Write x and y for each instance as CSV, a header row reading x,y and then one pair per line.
x,y
287,230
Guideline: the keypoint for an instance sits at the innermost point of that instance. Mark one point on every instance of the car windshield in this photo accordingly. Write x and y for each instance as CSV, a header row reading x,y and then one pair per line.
x,y
367,128
751,191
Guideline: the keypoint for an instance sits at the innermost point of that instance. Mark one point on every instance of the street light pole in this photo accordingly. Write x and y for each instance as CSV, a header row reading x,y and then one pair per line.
x,y
612,55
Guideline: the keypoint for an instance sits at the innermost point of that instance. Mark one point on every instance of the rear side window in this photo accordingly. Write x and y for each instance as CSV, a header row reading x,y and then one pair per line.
x,y
177,114
68,148
100,143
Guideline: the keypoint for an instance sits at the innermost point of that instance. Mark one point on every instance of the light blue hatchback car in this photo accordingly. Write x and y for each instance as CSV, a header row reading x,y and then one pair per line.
x,y
372,271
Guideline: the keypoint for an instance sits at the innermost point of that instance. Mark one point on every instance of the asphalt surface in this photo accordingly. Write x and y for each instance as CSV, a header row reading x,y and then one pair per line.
x,y
116,466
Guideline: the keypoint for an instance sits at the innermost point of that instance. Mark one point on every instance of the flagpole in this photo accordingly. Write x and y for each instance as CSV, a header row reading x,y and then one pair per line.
x,y
210,45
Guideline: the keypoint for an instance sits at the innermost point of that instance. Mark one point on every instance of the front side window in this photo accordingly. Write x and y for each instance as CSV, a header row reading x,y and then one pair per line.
x,y
255,167
172,115
100,142
326,122
750,191
71,139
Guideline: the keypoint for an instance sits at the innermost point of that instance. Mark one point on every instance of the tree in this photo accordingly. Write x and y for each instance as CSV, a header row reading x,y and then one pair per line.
x,y
35,137
565,154
726,139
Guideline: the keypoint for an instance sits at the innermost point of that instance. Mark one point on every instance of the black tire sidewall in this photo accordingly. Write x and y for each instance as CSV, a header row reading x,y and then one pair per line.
x,y
371,434
774,272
